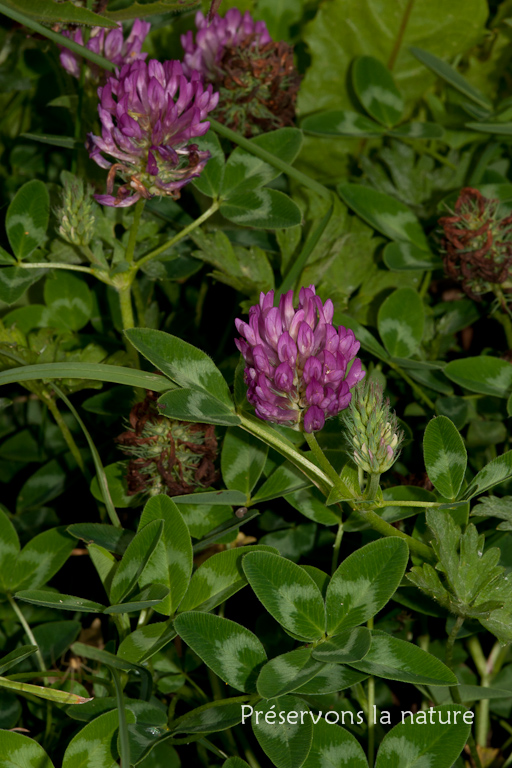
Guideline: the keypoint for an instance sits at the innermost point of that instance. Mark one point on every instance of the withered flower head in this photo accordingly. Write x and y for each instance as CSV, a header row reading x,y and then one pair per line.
x,y
168,456
255,76
477,243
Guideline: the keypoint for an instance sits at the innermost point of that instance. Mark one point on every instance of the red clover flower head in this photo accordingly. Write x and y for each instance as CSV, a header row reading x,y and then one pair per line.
x,y
256,76
149,113
109,43
297,361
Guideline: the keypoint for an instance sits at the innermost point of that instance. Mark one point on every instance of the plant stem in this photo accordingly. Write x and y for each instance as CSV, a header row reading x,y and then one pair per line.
x,y
386,529
400,37
371,704
56,265
139,305
28,631
66,434
125,302
504,319
132,240
254,149
322,459
373,486
184,233
426,399
124,741
482,718
336,547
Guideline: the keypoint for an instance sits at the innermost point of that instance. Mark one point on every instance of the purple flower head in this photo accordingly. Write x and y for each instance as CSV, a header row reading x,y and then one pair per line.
x,y
297,360
109,43
149,113
205,54
256,77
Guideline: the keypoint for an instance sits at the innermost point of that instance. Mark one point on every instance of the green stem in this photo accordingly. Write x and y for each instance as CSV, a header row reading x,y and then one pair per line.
x,y
139,305
125,302
132,240
28,631
504,319
124,741
400,37
258,151
81,50
56,265
482,717
322,459
336,547
66,434
386,529
412,384
372,488
425,284
371,704
300,262
184,233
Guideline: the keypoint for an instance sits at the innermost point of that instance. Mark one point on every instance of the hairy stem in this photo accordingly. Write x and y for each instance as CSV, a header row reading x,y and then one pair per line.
x,y
371,704
56,265
66,434
482,716
17,610
336,547
125,302
132,240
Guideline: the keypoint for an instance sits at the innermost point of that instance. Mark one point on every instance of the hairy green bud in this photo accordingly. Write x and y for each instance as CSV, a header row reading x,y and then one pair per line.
x,y
76,216
372,429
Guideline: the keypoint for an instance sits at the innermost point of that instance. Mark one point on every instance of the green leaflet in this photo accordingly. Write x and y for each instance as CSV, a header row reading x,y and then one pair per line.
x,y
95,746
288,740
27,218
364,582
242,460
395,659
135,560
287,673
287,592
349,646
29,754
401,321
376,90
233,652
445,456
334,746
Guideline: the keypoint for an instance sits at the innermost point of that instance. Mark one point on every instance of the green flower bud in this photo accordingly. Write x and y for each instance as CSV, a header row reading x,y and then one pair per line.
x,y
372,429
76,216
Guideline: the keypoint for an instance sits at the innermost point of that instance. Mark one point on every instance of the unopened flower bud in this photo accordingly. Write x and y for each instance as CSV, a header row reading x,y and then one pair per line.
x,y
75,216
168,456
372,429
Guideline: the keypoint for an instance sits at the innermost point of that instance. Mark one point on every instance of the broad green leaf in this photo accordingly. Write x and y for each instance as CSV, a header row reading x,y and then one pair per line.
x,y
50,694
69,300
445,456
310,502
113,373
262,209
285,738
384,213
484,374
210,180
28,753
95,746
451,76
185,364
6,258
376,90
501,129
9,550
403,493
112,539
211,499
143,643
105,563
341,122
242,460
418,131
58,600
402,256
395,659
54,638
366,339
66,142
218,578
14,281
198,406
171,562
401,321
287,673
418,742
332,678
233,652
135,560
285,478
111,660
334,746
364,582
115,477
223,532
27,217
138,10
235,762
16,656
352,645
211,717
245,172
495,472
288,593
152,596
40,559
50,12
493,506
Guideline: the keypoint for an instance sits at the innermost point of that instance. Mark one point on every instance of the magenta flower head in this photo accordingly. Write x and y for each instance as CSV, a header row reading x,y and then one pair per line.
x,y
297,361
109,43
255,76
149,113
